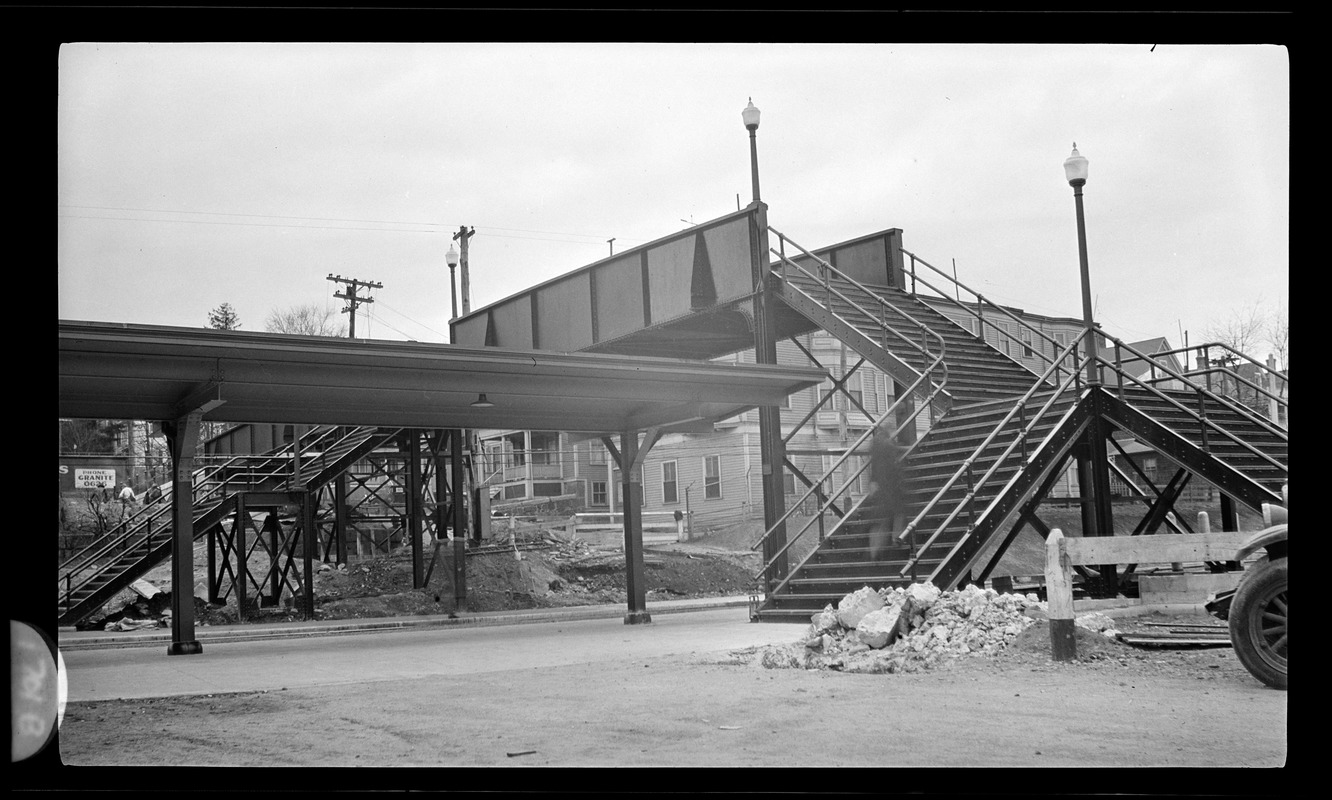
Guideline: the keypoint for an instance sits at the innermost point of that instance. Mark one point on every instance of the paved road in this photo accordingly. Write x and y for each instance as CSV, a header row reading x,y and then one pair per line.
x,y
304,661
597,692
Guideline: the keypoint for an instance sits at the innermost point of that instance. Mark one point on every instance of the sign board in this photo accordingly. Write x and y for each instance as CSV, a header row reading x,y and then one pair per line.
x,y
94,478
83,472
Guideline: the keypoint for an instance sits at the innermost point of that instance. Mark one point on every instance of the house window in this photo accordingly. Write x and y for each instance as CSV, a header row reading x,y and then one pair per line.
x,y
712,477
545,448
1026,344
596,453
599,493
669,492
788,484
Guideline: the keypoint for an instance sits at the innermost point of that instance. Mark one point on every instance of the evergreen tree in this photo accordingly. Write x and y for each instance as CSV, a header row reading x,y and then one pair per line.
x,y
224,318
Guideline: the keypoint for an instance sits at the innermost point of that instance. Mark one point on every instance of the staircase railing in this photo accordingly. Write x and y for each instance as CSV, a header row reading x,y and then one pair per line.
x,y
1220,366
830,497
209,486
925,387
934,361
1202,393
977,311
965,471
135,533
1200,415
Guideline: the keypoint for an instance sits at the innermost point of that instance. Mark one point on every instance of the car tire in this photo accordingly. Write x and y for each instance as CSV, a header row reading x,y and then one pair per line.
x,y
1258,622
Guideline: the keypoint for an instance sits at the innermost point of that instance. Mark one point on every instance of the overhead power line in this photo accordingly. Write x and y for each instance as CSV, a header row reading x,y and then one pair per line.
x,y
597,238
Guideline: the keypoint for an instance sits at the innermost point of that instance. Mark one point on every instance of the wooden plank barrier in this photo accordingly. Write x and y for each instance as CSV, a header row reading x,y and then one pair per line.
x,y
1062,553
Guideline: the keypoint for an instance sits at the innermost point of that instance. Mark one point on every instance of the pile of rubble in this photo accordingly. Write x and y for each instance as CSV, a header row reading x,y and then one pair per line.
x,y
919,627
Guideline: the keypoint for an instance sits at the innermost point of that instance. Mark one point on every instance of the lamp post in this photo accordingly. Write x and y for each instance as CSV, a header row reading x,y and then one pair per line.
x,y
1098,517
452,258
771,448
751,117
1075,169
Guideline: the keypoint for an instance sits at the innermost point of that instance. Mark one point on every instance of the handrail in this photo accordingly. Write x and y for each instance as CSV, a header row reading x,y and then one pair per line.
x,y
830,497
1210,424
1003,457
981,302
1217,366
208,487
1183,376
924,378
881,320
965,468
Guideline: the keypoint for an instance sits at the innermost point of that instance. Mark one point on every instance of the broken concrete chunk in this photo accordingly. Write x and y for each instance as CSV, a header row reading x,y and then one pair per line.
x,y
145,589
856,605
923,595
1098,623
879,628
825,620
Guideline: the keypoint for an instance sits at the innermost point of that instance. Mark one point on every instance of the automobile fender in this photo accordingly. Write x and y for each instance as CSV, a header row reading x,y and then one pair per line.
x,y
1262,540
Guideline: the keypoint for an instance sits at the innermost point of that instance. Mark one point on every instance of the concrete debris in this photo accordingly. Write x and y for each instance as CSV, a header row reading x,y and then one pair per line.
x,y
856,605
906,630
1097,623
145,589
126,624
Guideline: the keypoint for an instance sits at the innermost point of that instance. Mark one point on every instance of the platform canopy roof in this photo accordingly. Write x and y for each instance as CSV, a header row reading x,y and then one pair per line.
x,y
126,371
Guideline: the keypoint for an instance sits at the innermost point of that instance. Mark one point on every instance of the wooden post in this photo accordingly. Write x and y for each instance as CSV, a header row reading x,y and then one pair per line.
x,y
1059,598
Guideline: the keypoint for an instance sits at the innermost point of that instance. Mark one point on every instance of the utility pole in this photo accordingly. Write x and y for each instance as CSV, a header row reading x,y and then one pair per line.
x,y
461,238
354,300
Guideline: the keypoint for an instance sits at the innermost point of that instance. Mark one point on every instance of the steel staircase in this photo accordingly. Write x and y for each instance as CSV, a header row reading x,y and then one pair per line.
x,y
95,574
997,438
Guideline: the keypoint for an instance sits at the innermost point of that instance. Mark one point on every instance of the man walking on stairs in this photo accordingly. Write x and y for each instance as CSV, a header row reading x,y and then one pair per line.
x,y
887,498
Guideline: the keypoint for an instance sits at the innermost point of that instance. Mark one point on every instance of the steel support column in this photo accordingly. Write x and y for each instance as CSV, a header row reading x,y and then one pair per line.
x,y
340,516
635,584
1094,487
456,495
772,454
183,440
309,540
412,447
242,555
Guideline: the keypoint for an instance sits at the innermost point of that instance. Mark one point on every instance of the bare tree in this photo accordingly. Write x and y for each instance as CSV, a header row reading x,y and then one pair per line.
x,y
1246,330
308,320
1243,330
1278,336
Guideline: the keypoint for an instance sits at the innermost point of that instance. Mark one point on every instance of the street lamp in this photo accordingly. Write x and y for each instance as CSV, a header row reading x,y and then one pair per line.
x,y
452,258
751,117
1075,169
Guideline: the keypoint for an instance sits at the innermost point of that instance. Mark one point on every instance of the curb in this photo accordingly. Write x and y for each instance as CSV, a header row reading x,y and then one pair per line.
x,y
71,640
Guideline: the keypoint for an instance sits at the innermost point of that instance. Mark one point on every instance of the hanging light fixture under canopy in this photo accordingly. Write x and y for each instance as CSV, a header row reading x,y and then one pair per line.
x,y
482,402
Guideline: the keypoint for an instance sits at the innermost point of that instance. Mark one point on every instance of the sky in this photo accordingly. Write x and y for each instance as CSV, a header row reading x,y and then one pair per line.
x,y
196,174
